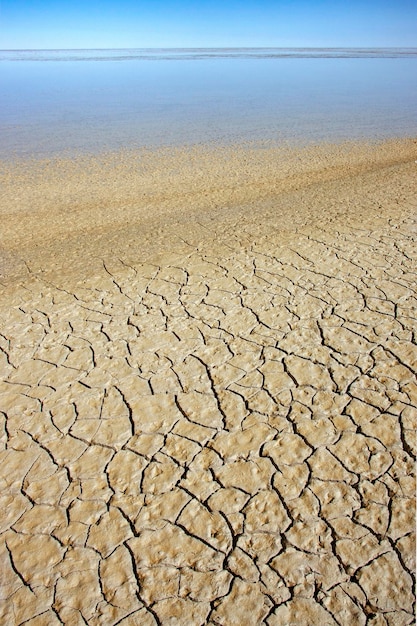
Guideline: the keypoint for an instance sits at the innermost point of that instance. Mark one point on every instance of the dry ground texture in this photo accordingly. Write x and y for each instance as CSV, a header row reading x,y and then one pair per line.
x,y
208,395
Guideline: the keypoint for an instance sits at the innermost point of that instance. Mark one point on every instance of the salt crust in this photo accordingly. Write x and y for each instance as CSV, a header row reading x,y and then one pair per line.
x,y
208,397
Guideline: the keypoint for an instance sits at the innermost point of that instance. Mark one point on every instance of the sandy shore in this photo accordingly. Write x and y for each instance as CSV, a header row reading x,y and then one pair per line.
x,y
208,395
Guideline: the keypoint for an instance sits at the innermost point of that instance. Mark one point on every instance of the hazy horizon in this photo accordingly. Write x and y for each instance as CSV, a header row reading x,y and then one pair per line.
x,y
206,52
207,47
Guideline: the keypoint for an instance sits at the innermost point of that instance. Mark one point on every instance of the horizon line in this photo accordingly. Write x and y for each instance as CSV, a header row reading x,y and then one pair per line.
x,y
365,47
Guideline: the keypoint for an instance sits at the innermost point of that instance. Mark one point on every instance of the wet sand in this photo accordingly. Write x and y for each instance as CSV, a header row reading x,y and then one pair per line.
x,y
208,395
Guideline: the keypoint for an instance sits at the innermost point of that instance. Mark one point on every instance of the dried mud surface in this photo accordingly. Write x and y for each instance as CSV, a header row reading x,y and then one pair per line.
x,y
208,393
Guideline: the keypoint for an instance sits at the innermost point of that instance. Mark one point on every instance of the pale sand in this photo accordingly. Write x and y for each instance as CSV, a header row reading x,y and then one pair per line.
x,y
208,396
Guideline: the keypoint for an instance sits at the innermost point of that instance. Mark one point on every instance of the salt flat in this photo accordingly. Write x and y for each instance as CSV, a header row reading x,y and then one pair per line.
x,y
208,395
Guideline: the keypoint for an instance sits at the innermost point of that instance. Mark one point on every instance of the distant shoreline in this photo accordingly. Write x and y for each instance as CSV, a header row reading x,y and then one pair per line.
x,y
121,54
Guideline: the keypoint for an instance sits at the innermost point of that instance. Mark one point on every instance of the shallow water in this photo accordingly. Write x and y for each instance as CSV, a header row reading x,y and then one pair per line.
x,y
74,101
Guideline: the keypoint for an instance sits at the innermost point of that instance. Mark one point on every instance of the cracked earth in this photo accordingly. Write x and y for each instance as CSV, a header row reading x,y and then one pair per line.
x,y
222,434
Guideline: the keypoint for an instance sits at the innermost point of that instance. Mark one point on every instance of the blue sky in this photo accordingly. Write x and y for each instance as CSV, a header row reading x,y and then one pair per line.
x,y
26,24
